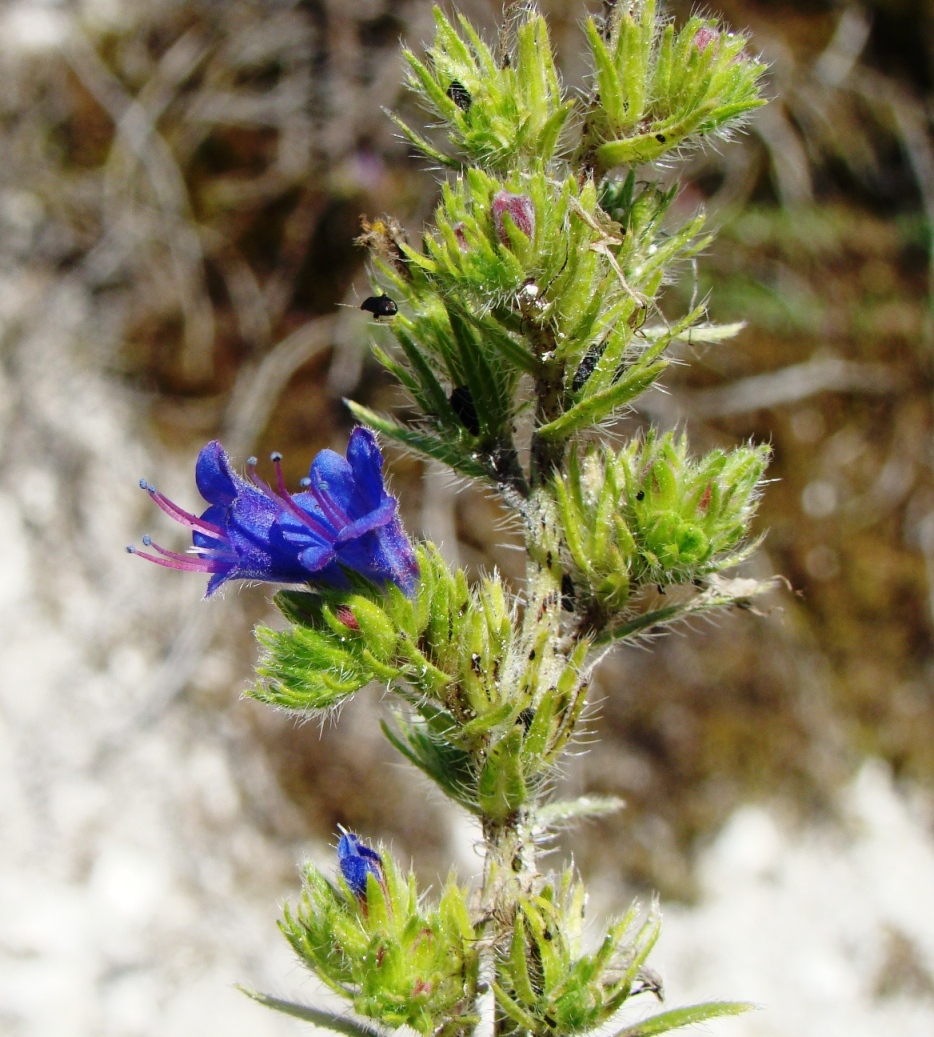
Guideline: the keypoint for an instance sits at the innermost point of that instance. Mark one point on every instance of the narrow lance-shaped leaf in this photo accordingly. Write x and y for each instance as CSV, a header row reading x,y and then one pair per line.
x,y
594,409
341,1024
441,449
679,1017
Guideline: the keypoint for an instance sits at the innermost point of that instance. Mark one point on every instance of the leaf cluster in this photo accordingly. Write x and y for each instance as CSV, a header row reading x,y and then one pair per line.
x,y
483,319
479,718
658,87
651,514
498,114
397,960
497,319
547,985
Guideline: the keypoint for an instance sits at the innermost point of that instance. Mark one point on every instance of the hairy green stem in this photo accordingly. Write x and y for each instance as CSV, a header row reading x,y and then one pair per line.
x,y
511,870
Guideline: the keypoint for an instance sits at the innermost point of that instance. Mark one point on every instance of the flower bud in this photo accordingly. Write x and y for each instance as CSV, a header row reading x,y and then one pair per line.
x,y
521,212
705,37
357,861
380,634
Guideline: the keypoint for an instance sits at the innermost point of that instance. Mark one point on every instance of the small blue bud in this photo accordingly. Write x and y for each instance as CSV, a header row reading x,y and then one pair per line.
x,y
357,861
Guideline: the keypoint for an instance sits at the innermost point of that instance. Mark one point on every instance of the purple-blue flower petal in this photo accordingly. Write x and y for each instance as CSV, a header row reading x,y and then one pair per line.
x,y
383,556
296,530
216,479
316,557
332,484
366,461
216,515
386,512
216,582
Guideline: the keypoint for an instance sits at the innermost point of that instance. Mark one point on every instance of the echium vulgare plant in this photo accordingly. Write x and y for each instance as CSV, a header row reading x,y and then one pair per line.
x,y
524,324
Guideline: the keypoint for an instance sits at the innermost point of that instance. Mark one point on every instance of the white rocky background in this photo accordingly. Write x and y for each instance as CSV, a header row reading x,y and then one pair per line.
x,y
140,879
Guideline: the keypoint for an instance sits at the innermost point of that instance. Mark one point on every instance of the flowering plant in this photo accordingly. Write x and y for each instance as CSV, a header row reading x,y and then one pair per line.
x,y
524,325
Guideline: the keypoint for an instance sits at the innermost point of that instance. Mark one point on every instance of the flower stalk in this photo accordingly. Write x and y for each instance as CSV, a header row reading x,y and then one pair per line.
x,y
528,320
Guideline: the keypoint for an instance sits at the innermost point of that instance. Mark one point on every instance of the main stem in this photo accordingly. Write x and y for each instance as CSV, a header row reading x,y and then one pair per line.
x,y
511,870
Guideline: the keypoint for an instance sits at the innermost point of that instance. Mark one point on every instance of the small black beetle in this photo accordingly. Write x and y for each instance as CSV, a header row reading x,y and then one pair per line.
x,y
460,95
380,306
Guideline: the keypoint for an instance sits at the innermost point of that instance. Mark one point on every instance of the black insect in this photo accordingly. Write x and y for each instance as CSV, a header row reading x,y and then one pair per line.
x,y
460,95
640,496
586,367
462,404
380,306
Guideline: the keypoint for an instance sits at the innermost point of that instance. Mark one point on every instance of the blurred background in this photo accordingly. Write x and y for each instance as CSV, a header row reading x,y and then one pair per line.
x,y
180,187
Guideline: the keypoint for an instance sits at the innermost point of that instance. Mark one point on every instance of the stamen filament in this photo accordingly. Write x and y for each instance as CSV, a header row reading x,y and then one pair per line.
x,y
207,554
184,517
285,500
201,565
335,516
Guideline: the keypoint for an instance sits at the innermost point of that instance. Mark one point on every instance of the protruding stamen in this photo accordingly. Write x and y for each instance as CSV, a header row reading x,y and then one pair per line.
x,y
130,549
185,517
147,540
276,459
332,512
259,483
143,485
189,563
304,483
284,499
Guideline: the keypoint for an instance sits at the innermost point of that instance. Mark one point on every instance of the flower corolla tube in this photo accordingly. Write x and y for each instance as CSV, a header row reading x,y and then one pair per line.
x,y
344,521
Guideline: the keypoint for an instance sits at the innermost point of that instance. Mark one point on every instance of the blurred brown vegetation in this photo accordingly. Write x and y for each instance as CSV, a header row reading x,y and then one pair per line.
x,y
202,167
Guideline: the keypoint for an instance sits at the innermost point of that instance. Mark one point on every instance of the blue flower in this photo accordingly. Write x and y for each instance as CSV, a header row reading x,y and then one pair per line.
x,y
343,521
356,862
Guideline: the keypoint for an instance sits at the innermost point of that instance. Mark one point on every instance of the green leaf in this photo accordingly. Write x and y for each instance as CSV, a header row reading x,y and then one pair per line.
x,y
450,768
721,593
513,1009
435,399
571,809
512,351
444,450
698,334
502,788
428,150
679,1017
306,669
592,410
493,405
336,1023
